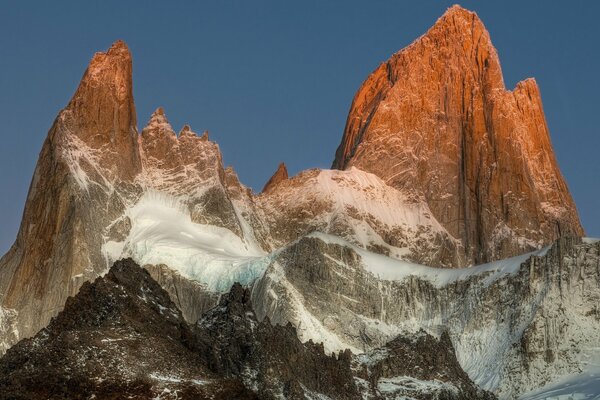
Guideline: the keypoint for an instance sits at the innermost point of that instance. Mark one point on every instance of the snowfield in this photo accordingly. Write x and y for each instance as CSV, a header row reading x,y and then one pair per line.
x,y
162,232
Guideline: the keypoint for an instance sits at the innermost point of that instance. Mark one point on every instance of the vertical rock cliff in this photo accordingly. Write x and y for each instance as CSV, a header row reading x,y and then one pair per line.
x,y
90,152
437,120
92,169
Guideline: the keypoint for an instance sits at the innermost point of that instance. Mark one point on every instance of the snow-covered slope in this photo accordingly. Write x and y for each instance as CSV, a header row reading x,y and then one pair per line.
x,y
162,232
516,325
361,208
584,386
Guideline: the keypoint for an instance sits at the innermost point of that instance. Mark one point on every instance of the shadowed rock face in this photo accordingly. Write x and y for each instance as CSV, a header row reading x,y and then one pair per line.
x,y
437,120
516,325
119,337
122,337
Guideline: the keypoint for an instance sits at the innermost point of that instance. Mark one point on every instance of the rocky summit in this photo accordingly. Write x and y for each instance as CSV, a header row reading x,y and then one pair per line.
x,y
440,258
437,120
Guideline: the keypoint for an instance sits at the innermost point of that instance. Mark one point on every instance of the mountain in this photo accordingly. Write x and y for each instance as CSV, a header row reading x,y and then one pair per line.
x,y
516,324
121,336
437,120
280,175
440,168
91,152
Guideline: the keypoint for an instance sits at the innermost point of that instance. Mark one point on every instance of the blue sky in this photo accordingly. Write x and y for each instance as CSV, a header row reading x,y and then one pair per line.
x,y
272,81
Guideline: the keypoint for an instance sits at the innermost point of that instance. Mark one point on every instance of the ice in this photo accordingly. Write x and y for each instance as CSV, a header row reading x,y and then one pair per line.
x,y
162,232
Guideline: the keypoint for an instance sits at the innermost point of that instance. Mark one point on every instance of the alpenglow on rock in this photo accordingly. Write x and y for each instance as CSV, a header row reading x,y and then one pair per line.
x,y
440,166
86,163
437,120
280,175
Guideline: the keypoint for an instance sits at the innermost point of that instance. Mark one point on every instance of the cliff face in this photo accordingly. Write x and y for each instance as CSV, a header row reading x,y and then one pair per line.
x,y
516,324
90,154
122,337
92,168
437,120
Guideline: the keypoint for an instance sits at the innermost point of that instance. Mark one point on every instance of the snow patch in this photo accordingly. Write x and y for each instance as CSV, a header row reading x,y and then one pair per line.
x,y
162,232
585,386
390,269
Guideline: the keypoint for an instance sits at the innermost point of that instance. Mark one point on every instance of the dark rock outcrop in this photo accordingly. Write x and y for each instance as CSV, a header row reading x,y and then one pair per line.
x,y
269,358
394,370
121,336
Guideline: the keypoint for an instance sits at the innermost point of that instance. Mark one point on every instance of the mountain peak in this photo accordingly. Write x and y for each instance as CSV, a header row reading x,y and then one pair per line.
x,y
458,10
436,121
119,46
102,113
280,175
187,131
159,111
158,124
459,19
112,67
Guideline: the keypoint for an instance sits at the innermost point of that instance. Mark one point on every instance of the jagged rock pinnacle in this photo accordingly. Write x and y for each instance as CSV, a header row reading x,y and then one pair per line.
x,y
102,111
280,175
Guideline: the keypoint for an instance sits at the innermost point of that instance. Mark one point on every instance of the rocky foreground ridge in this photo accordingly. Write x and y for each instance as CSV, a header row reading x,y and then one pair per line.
x,y
352,257
121,336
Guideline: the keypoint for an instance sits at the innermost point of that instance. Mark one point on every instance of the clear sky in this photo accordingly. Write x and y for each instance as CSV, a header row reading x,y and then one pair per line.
x,y
273,80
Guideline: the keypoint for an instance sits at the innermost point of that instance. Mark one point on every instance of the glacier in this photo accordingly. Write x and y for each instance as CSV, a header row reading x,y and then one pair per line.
x,y
163,233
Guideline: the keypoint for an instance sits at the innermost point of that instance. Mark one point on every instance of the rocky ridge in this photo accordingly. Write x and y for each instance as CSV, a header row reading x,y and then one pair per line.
x,y
280,175
101,192
121,336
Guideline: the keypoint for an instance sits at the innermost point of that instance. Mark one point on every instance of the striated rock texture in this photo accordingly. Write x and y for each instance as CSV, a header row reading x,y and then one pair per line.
x,y
90,152
92,168
122,337
516,325
280,175
437,120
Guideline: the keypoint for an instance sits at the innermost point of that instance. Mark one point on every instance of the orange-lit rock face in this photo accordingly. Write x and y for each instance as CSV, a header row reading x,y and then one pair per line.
x,y
280,175
437,120
102,112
